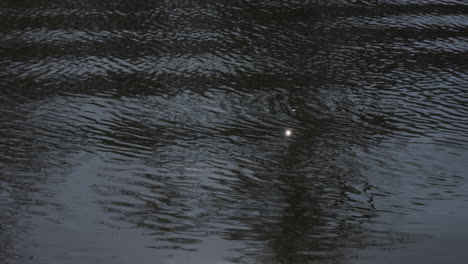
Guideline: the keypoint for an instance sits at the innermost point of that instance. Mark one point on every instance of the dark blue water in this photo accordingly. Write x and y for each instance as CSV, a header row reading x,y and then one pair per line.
x,y
155,131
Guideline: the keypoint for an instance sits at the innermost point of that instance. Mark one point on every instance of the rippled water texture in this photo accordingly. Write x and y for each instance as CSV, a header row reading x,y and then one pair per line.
x,y
155,131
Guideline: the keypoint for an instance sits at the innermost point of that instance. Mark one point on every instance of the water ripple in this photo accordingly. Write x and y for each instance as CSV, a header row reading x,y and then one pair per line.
x,y
160,129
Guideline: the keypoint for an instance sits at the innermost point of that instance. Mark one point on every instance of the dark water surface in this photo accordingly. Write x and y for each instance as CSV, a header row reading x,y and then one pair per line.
x,y
154,131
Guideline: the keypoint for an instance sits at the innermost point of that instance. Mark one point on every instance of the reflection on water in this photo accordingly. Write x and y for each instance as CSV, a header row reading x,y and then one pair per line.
x,y
233,132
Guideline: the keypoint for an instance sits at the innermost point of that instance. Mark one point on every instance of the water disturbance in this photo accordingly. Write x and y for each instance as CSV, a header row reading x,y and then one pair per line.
x,y
274,131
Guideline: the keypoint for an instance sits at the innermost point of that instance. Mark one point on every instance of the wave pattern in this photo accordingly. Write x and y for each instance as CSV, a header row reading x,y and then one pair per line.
x,y
160,126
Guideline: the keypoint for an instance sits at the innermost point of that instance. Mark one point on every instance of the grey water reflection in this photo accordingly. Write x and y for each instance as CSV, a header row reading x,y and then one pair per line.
x,y
154,131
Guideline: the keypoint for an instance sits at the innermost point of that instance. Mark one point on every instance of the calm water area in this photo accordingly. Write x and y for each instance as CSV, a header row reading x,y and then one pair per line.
x,y
155,131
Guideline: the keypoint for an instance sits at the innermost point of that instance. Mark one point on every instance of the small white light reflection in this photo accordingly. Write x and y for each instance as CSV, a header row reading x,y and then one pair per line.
x,y
288,132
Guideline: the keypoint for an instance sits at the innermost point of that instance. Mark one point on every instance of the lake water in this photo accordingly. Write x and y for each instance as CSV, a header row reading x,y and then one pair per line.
x,y
156,131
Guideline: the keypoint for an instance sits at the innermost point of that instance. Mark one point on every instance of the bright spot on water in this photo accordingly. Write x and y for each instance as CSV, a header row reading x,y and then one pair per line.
x,y
288,132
